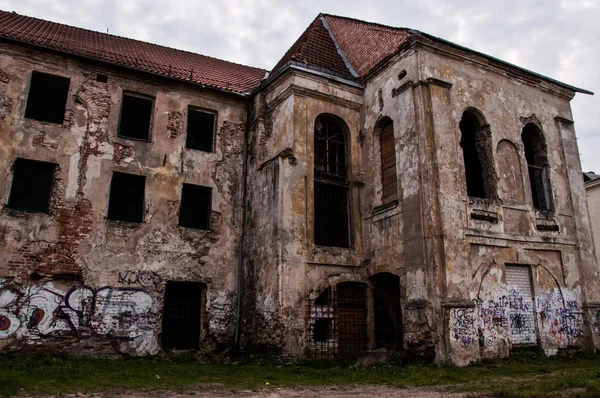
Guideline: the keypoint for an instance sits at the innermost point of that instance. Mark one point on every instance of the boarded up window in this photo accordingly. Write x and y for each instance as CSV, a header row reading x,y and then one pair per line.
x,y
182,316
136,116
200,130
520,296
389,179
47,98
31,186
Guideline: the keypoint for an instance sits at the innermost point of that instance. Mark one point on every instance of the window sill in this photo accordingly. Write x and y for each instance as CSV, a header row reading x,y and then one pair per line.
x,y
199,150
44,122
23,213
123,224
192,229
134,139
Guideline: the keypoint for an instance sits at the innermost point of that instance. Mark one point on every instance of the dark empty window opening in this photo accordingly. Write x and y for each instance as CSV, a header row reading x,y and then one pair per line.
x,y
102,78
136,116
200,130
536,154
182,316
47,98
389,179
321,331
31,186
331,214
126,201
195,207
387,314
476,144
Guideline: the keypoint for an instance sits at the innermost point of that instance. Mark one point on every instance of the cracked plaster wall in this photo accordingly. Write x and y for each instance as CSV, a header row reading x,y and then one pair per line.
x,y
507,230
72,278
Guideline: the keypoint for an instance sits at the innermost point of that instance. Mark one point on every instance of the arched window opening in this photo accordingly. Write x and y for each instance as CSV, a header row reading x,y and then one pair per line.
x,y
476,143
536,154
331,215
387,147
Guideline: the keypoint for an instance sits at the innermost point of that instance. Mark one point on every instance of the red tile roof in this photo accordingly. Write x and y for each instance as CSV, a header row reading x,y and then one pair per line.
x,y
315,47
178,64
365,44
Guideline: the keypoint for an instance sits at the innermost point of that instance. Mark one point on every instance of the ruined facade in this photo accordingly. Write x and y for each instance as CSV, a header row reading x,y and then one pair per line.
x,y
418,196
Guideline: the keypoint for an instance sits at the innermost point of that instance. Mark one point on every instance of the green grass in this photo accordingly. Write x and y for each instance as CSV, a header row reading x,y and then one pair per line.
x,y
520,376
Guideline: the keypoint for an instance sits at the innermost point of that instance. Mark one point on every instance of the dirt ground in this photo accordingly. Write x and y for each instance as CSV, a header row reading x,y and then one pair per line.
x,y
333,392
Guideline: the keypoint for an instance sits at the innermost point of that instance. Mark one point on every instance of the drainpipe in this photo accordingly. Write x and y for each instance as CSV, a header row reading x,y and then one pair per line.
x,y
240,277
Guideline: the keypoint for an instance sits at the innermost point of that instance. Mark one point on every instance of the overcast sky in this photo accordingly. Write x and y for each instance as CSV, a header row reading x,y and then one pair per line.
x,y
557,38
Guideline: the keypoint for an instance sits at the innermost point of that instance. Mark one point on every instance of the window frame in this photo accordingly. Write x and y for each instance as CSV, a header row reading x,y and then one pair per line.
x,y
143,215
27,103
134,94
50,189
215,114
208,210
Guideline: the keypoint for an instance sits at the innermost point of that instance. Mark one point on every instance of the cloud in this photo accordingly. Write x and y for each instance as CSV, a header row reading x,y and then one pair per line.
x,y
557,38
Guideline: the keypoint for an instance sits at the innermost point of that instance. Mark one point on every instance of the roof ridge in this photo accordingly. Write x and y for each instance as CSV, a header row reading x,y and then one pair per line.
x,y
404,29
316,46
126,38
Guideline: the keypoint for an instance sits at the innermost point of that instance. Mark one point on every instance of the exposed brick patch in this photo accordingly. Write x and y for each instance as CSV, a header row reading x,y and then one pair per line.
x,y
4,77
5,105
96,98
69,118
175,124
123,155
42,140
227,172
47,259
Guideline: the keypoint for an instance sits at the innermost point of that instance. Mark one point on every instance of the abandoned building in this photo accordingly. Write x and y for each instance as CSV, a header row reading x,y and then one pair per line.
x,y
378,188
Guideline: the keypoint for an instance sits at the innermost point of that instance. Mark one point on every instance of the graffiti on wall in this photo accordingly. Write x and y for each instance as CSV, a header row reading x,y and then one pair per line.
x,y
462,321
127,314
522,316
144,279
560,315
510,317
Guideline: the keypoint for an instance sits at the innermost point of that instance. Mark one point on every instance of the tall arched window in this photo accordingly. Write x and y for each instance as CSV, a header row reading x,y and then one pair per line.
x,y
331,218
476,143
536,154
387,147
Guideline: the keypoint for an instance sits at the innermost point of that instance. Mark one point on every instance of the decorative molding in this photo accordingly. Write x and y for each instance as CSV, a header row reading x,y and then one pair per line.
x,y
399,90
306,92
438,82
564,120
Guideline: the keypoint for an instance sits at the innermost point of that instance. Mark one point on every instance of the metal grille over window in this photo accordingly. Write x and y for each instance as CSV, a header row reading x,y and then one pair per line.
x,y
337,324
522,315
182,316
331,215
330,150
